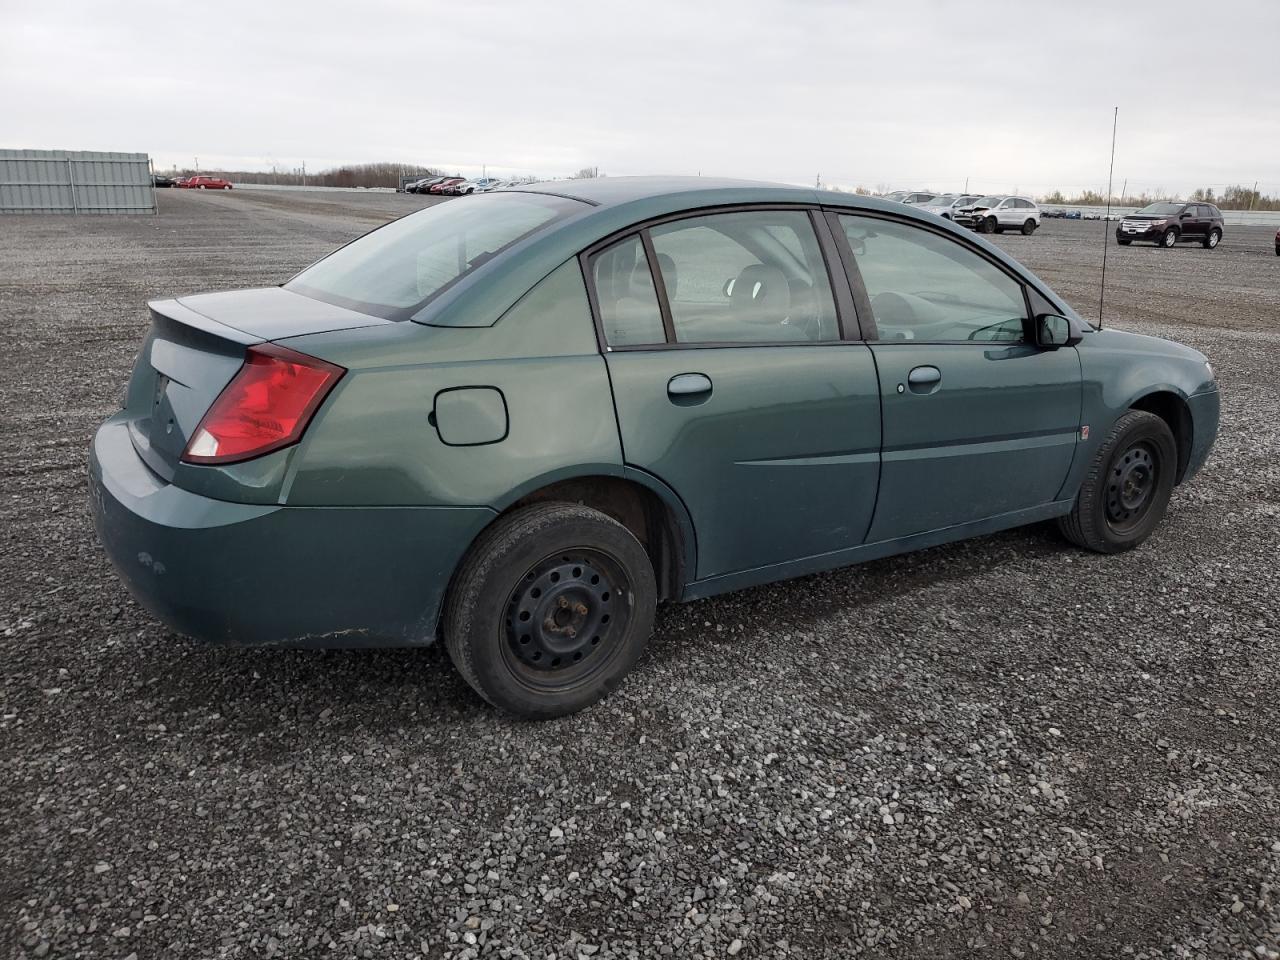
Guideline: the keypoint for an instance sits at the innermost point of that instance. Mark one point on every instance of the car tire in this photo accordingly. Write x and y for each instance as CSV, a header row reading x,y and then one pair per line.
x,y
989,225
1126,490
1212,239
1028,228
200,185
1169,238
1123,242
578,582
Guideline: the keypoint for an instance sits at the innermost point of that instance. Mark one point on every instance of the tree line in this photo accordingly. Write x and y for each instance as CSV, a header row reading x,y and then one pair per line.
x,y
1234,197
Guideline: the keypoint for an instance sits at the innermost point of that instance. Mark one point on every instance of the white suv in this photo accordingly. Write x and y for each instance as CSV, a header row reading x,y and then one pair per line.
x,y
997,214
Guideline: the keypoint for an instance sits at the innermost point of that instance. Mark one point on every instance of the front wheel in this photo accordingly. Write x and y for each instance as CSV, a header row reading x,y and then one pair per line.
x,y
1169,238
1212,239
551,608
1123,242
1028,228
989,225
1126,491
201,186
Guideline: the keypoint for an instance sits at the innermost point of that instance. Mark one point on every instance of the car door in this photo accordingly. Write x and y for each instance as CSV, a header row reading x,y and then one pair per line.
x,y
1190,222
733,387
977,421
1008,214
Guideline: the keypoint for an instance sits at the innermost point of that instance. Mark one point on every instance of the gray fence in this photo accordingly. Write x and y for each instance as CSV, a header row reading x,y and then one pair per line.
x,y
75,181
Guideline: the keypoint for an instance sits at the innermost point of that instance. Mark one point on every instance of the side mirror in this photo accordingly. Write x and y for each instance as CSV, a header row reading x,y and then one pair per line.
x,y
1184,214
1054,331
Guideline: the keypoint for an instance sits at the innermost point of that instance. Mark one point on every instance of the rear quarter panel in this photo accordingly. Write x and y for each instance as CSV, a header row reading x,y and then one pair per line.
x,y
376,442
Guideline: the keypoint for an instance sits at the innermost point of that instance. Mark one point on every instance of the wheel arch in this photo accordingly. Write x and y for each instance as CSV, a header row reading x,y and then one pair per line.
x,y
642,503
1171,407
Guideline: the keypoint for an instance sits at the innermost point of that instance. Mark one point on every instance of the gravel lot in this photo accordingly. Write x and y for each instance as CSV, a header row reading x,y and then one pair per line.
x,y
999,748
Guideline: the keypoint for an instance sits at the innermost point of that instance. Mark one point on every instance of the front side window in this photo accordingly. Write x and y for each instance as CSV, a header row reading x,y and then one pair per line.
x,y
394,270
629,309
924,286
755,276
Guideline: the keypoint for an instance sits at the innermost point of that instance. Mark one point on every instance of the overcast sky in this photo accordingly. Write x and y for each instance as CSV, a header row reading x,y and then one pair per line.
x,y
1012,95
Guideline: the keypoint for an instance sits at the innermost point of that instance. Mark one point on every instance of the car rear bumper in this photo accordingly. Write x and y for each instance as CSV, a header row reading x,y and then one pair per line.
x,y
264,574
1204,429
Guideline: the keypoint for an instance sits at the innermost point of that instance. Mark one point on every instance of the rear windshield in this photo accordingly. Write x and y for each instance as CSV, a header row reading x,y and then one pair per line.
x,y
1162,209
394,270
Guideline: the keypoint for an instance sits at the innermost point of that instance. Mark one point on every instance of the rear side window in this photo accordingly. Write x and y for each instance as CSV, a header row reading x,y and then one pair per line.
x,y
924,286
756,276
394,270
629,310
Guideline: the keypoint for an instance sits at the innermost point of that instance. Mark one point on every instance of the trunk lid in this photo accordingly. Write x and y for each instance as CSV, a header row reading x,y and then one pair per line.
x,y
193,349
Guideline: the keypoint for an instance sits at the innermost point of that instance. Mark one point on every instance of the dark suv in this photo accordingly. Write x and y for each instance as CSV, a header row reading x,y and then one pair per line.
x,y
1170,222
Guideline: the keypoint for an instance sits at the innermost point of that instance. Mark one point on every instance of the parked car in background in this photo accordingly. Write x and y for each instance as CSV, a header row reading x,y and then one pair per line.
x,y
421,186
897,195
180,181
947,205
1171,222
998,213
404,442
918,198
157,180
445,186
482,185
1072,215
207,183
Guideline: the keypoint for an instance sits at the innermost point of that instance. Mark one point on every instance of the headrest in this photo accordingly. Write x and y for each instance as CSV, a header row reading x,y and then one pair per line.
x,y
761,294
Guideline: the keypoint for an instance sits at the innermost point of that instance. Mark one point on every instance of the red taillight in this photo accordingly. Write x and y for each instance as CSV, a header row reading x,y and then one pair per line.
x,y
266,406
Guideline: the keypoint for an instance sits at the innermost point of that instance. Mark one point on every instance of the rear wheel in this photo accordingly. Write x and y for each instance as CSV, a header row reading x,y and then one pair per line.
x,y
989,225
201,186
550,609
1212,239
1169,237
1126,491
1028,228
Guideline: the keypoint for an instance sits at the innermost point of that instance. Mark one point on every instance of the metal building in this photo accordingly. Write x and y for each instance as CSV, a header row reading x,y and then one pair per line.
x,y
75,181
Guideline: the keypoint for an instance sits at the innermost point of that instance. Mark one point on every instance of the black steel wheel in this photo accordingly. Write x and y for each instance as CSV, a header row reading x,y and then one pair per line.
x,y
1126,490
1028,227
563,615
989,225
551,607
1131,484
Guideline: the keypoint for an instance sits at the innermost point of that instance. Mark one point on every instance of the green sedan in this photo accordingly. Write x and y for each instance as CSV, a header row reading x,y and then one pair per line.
x,y
520,420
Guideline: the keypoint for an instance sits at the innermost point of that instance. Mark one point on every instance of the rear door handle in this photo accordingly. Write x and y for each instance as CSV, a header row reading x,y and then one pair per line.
x,y
685,386
924,379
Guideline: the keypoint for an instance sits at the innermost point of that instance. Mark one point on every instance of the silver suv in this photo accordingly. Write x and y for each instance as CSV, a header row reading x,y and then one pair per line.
x,y
996,214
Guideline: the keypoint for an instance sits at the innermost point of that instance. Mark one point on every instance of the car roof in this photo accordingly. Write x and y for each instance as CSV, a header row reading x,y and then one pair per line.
x,y
608,191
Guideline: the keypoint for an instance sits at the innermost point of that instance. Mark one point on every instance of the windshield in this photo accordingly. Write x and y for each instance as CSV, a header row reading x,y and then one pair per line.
x,y
394,270
1161,209
945,200
986,201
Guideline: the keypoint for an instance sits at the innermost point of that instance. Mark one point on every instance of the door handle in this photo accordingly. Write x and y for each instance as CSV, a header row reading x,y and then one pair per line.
x,y
689,386
924,379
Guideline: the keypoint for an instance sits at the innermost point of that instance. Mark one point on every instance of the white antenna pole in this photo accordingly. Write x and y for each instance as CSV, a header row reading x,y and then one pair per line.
x,y
1106,222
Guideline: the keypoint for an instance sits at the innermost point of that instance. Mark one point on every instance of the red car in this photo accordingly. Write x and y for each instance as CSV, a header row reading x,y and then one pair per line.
x,y
444,186
206,183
